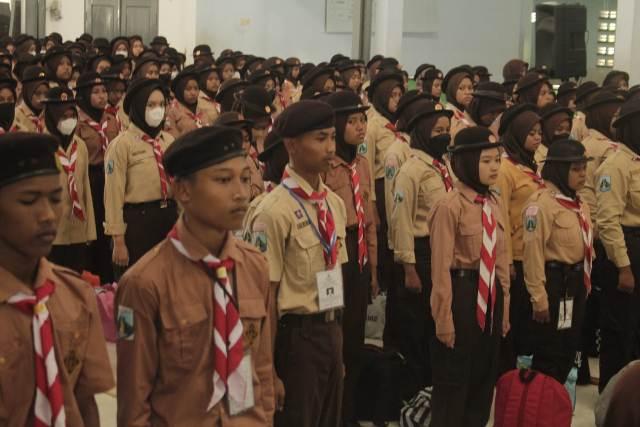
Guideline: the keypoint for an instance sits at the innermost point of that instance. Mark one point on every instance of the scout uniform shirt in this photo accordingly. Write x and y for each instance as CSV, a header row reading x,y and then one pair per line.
x,y
26,121
72,229
552,233
618,200
257,185
293,249
164,309
599,147
338,179
579,129
460,120
210,109
419,186
181,120
131,176
514,187
377,141
397,154
458,247
93,139
540,156
80,350
124,117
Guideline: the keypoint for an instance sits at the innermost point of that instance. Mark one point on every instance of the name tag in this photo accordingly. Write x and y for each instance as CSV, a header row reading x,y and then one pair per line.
x,y
330,289
247,402
565,313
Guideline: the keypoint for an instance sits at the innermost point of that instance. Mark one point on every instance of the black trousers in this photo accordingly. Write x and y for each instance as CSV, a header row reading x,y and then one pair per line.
x,y
620,315
308,359
518,340
416,327
554,351
72,256
356,297
99,253
385,255
464,377
147,225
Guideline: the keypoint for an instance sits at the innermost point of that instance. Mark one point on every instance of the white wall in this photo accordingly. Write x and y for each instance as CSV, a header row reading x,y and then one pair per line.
x,y
72,23
177,22
269,27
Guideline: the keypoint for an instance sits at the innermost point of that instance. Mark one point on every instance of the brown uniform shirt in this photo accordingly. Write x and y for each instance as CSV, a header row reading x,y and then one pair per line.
x,y
180,119
208,107
618,201
72,230
552,233
514,187
80,350
456,241
124,117
460,120
377,141
540,156
257,185
579,129
599,147
293,249
166,363
418,187
23,119
131,176
338,179
92,138
397,154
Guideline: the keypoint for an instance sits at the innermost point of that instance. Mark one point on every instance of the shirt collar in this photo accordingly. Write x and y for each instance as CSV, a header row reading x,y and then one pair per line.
x,y
302,183
11,285
198,251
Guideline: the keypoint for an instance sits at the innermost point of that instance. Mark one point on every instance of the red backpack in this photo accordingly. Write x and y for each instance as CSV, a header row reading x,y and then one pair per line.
x,y
526,398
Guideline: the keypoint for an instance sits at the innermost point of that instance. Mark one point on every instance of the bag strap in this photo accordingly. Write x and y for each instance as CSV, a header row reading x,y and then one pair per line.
x,y
527,375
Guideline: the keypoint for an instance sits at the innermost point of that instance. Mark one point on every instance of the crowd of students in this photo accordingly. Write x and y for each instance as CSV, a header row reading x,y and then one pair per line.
x,y
249,209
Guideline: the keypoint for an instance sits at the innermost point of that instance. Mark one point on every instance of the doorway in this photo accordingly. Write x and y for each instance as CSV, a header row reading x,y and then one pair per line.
x,y
112,18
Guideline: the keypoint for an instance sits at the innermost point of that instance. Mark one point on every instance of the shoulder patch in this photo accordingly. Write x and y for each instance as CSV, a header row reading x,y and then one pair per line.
x,y
531,218
399,196
362,149
390,172
109,167
260,240
124,323
604,184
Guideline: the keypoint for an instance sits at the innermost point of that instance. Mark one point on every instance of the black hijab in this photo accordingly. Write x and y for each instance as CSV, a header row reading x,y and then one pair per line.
x,y
381,98
139,106
515,137
84,101
629,134
179,92
7,114
202,82
28,90
421,137
466,166
558,174
53,113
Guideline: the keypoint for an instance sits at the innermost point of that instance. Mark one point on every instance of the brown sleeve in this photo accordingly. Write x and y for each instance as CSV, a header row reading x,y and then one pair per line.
x,y
88,198
505,185
264,358
112,129
369,214
115,183
443,224
536,234
502,264
137,353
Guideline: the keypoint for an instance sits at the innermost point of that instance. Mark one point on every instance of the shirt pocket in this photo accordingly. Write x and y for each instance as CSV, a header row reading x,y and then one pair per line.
x,y
634,191
470,235
252,314
308,252
185,332
566,230
73,336
15,362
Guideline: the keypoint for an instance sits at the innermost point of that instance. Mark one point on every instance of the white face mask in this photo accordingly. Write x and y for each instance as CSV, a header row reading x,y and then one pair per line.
x,y
67,126
122,53
173,74
154,116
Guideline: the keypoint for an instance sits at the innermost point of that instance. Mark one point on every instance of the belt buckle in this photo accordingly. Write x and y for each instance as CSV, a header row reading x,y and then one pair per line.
x,y
330,316
164,204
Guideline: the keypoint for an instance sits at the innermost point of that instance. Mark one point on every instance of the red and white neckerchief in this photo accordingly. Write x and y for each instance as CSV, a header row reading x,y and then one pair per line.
x,y
38,122
69,166
269,186
158,153
227,327
587,234
100,130
359,204
113,110
487,276
460,116
393,129
196,117
444,174
326,224
531,174
48,407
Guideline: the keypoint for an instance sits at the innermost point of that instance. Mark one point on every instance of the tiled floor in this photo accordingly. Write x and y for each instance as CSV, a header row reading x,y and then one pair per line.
x,y
583,417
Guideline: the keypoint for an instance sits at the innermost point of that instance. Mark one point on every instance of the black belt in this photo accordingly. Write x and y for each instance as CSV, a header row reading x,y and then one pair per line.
x,y
301,319
579,266
635,231
162,204
464,273
352,229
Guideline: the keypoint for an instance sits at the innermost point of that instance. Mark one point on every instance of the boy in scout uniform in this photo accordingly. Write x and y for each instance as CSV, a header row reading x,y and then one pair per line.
x,y
303,223
194,315
618,218
36,295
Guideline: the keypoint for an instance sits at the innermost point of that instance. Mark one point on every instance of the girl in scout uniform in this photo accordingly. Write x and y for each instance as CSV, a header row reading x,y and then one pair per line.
x,y
558,253
534,89
432,83
458,86
29,117
209,83
488,103
183,114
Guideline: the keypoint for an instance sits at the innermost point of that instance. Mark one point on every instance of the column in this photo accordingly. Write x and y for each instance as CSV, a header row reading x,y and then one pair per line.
x,y
388,16
628,39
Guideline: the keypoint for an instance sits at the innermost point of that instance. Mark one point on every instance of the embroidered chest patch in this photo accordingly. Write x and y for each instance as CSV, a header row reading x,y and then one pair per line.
x,y
531,218
604,185
362,149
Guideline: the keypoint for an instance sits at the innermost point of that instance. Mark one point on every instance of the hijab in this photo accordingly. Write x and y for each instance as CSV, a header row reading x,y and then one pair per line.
x,y
28,90
466,166
51,68
84,102
558,174
381,98
452,89
421,136
139,106
202,82
7,114
516,136
530,95
179,93
599,118
53,113
346,152
549,126
480,106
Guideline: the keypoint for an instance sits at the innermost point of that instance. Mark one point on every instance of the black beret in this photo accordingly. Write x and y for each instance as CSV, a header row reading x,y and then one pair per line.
x,y
304,116
511,113
273,62
159,40
345,102
628,110
59,95
430,109
202,50
604,97
473,138
202,148
586,89
89,79
408,99
25,155
101,42
272,140
462,69
566,150
135,87
529,80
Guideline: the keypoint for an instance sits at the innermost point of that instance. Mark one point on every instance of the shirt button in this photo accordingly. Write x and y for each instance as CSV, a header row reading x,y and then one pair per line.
x,y
2,360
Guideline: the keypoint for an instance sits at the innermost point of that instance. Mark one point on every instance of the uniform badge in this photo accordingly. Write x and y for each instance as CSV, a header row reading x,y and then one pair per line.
x,y
250,334
124,323
71,361
604,185
390,172
260,240
298,214
362,149
531,218
399,196
247,236
109,167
